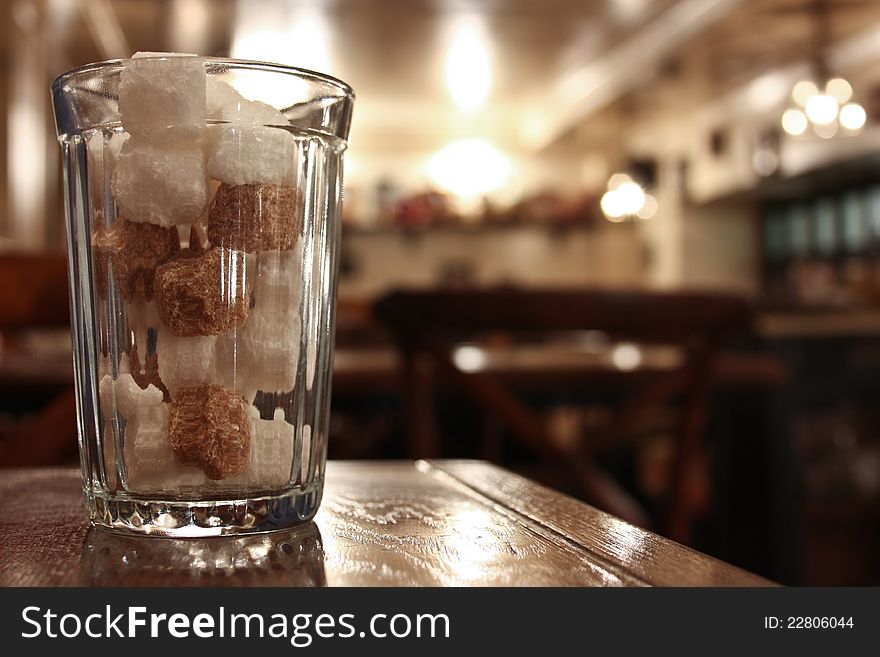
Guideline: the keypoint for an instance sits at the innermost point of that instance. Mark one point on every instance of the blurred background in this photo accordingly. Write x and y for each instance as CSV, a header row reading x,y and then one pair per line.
x,y
629,248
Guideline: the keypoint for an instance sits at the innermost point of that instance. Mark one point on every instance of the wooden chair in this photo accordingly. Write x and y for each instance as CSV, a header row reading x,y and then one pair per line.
x,y
697,324
34,295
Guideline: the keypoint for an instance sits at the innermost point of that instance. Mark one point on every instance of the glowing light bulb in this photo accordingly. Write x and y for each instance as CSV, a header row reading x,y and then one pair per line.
x,y
839,89
626,356
826,130
632,197
649,208
469,168
794,122
822,109
468,70
803,91
618,179
612,205
852,116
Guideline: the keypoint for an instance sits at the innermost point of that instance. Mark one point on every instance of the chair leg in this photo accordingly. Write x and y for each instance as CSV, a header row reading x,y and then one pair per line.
x,y
420,422
686,461
528,427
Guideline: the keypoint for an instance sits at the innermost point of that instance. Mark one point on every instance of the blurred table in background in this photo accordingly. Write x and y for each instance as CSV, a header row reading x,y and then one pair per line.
x,y
442,523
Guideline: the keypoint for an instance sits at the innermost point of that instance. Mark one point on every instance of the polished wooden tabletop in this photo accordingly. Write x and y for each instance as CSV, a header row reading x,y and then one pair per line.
x,y
438,523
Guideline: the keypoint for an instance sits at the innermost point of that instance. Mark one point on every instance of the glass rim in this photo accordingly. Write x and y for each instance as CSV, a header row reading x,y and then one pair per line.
x,y
252,64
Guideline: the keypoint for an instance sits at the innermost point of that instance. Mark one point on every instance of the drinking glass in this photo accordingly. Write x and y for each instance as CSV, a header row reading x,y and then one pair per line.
x,y
202,199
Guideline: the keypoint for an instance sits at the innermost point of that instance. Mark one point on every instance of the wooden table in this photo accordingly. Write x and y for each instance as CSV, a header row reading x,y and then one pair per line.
x,y
439,523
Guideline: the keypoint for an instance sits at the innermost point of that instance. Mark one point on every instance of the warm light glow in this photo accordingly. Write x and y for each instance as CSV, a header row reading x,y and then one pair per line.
x,y
632,197
618,179
469,358
826,130
612,205
827,110
794,122
803,91
276,33
626,356
853,116
839,89
468,72
469,168
765,162
626,198
822,109
649,208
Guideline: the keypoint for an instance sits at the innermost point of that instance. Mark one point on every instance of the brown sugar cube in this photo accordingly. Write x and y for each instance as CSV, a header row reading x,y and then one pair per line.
x,y
209,427
134,250
255,217
203,293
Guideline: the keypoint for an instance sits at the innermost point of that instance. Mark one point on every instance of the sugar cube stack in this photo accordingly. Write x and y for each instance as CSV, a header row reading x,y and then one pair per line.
x,y
226,310
160,176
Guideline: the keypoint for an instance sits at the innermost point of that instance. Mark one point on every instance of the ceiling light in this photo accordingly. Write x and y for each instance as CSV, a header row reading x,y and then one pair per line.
x,y
618,179
794,122
468,72
649,208
612,205
803,91
826,130
839,89
852,116
625,198
632,197
469,168
822,109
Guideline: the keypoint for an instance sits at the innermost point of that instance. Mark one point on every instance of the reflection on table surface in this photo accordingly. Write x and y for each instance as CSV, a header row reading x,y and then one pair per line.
x,y
285,558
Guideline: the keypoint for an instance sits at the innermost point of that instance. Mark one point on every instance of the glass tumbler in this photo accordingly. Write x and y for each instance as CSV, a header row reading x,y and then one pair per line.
x,y
203,200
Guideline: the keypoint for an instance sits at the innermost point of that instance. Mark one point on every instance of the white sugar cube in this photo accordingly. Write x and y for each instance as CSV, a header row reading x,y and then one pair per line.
x,y
242,155
269,350
279,277
185,361
160,184
271,454
150,464
125,395
162,96
268,344
225,104
232,371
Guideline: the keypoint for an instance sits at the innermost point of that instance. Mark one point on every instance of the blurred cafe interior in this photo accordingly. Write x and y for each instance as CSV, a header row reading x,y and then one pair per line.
x,y
627,248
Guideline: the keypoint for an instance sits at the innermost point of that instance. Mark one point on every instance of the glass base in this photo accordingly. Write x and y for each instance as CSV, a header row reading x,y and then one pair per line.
x,y
129,513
